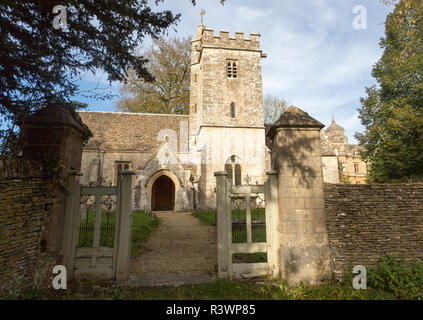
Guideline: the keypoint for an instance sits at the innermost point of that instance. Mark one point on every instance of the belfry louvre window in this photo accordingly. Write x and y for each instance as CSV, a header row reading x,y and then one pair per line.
x,y
232,68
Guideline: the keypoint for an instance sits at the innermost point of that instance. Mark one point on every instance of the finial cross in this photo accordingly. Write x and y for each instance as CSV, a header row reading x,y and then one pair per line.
x,y
202,13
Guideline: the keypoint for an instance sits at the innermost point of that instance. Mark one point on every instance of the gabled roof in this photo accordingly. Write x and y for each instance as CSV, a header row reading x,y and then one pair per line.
x,y
120,131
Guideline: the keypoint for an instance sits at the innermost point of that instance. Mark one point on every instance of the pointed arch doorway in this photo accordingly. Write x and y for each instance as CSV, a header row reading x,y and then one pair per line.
x,y
163,194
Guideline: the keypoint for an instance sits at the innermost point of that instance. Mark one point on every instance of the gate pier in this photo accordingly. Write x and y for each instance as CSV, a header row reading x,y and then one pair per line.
x,y
304,249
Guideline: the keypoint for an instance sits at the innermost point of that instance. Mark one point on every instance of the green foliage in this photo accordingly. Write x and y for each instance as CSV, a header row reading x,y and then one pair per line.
x,y
143,224
249,257
239,235
392,112
391,279
78,105
342,177
273,108
168,92
206,216
209,216
399,277
40,65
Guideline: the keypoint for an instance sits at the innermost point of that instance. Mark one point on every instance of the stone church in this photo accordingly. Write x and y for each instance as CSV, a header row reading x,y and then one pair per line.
x,y
174,157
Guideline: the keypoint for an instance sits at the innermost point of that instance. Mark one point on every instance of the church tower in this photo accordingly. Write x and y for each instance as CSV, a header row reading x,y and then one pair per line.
x,y
226,109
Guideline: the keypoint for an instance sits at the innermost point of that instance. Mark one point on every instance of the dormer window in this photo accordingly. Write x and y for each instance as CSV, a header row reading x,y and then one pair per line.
x,y
232,68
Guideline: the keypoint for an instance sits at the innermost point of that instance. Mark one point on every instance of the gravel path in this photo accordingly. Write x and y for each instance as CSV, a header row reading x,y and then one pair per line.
x,y
180,244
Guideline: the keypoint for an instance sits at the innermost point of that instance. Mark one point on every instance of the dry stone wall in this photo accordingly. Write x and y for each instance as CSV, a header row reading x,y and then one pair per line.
x,y
25,258
366,222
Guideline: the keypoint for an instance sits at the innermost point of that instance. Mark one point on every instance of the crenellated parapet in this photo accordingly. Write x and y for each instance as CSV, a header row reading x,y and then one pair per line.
x,y
223,40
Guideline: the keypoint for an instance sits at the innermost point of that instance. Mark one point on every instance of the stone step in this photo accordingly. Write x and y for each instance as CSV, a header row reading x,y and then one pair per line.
x,y
168,279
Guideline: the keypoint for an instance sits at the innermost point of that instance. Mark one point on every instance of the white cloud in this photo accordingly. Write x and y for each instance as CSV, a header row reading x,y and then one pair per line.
x,y
316,60
247,13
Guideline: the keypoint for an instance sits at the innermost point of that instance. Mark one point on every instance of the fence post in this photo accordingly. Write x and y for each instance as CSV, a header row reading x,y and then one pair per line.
x,y
272,212
224,227
124,226
71,222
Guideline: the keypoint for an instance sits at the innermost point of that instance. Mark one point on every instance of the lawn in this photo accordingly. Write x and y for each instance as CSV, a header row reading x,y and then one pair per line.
x,y
209,216
239,231
142,225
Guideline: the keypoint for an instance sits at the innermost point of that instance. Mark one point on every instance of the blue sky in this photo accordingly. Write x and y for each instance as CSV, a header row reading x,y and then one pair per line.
x,y
316,60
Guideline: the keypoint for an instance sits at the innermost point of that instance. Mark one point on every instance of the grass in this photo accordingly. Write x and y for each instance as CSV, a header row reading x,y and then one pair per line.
x,y
142,226
263,289
206,216
249,257
390,279
239,232
107,229
209,216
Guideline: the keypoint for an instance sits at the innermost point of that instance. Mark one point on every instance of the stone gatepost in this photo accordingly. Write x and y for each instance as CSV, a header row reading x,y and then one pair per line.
x,y
304,251
54,137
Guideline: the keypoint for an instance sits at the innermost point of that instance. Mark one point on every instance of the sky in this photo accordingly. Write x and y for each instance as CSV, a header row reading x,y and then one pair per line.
x,y
317,57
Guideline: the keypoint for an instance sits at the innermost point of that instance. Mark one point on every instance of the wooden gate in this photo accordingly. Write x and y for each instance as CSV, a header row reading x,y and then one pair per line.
x,y
230,216
98,229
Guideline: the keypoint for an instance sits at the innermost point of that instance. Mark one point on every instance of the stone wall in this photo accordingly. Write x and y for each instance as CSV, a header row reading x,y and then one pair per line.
x,y
216,146
330,169
213,91
366,222
33,196
25,258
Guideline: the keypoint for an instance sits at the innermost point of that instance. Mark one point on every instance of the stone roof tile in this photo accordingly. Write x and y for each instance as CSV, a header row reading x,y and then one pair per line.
x,y
119,131
294,118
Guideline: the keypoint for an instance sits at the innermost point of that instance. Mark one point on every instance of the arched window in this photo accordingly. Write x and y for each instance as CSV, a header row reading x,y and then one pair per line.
x,y
121,166
237,170
118,171
229,170
233,168
232,110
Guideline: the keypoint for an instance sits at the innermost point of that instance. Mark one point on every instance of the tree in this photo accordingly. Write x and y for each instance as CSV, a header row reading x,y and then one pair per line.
x,y
392,112
40,64
273,108
169,64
